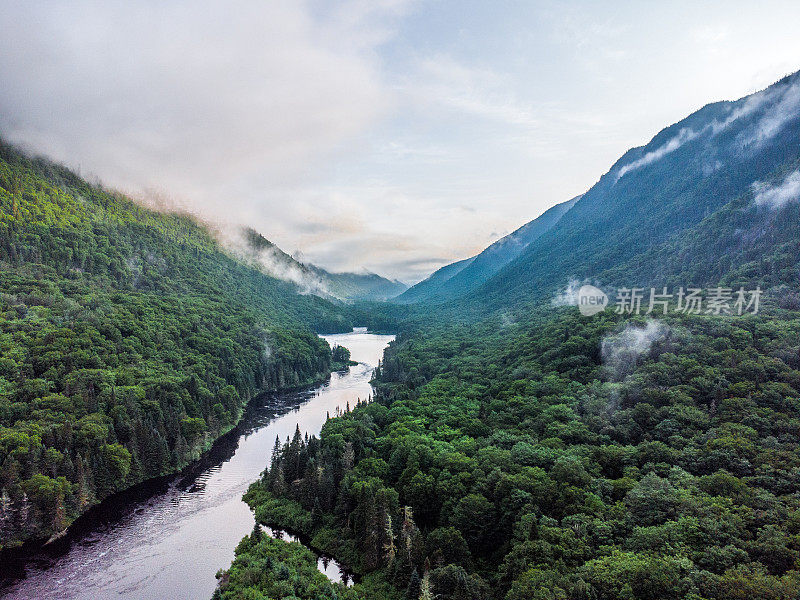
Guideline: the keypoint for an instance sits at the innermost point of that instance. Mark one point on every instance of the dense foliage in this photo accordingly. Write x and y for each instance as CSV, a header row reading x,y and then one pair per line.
x,y
547,459
266,568
128,342
518,451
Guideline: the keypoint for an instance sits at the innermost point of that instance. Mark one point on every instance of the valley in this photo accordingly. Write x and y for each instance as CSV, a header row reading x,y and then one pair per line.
x,y
519,450
532,358
167,539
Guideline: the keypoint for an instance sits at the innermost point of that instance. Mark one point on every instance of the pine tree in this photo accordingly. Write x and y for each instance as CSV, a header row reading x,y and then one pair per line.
x,y
316,513
278,481
59,514
414,586
389,546
5,513
425,592
408,532
276,453
257,533
348,457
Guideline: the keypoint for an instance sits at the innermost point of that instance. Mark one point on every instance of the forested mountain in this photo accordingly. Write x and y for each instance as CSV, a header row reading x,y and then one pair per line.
x,y
699,204
316,280
517,450
723,173
428,286
360,286
129,341
458,279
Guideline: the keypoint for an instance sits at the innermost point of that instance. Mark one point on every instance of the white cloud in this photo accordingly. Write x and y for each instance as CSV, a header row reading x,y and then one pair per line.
x,y
685,135
480,92
780,104
356,129
622,350
203,100
393,237
568,296
743,108
784,110
271,260
779,195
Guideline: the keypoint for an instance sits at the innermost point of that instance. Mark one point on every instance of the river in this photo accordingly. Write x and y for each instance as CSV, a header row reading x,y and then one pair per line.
x,y
166,540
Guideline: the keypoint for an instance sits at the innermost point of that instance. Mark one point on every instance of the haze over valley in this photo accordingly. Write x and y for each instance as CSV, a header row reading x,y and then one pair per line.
x,y
399,300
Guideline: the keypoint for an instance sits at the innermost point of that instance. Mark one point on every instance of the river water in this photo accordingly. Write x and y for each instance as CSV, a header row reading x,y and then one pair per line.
x,y
167,540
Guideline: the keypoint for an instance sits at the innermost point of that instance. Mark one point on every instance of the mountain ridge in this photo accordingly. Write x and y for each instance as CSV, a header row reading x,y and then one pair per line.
x,y
460,278
656,192
312,279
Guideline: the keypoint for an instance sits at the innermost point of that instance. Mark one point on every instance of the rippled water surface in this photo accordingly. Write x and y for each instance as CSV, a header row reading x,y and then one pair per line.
x,y
167,540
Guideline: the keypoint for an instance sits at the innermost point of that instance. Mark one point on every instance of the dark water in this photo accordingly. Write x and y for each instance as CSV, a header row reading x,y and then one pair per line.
x,y
167,540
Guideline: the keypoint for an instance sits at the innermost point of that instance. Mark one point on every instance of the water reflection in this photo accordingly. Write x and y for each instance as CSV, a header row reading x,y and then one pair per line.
x,y
168,538
327,565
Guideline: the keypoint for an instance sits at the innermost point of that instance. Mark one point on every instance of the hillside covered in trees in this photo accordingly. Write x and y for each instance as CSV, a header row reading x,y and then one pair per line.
x,y
347,287
517,450
129,341
544,459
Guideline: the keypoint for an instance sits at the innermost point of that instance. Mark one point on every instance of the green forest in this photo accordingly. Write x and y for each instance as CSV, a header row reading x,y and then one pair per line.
x,y
539,460
513,449
516,450
129,341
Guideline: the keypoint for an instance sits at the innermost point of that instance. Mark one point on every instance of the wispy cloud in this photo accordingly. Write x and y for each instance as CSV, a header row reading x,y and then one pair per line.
x,y
568,296
778,195
478,91
743,108
780,104
271,260
784,110
685,135
232,109
621,351
354,129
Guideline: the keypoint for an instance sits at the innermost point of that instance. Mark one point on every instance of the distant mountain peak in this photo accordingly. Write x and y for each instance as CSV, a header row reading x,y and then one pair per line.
x,y
311,279
460,278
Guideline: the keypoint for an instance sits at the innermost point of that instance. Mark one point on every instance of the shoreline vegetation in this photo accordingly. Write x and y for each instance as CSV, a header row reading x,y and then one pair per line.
x,y
130,340
518,450
622,474
30,547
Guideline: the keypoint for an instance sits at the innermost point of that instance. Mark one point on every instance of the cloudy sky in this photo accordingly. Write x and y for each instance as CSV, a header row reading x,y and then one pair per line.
x,y
388,135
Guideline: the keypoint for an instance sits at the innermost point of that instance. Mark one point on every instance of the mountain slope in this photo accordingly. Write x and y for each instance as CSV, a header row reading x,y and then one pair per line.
x,y
129,341
654,200
482,267
516,450
316,280
430,285
502,252
359,286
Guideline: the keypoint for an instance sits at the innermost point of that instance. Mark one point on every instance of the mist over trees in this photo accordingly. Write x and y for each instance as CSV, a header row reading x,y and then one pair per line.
x,y
516,450
129,341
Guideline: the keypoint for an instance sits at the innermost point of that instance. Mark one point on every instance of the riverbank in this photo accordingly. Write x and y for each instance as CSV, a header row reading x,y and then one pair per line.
x,y
27,549
169,537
